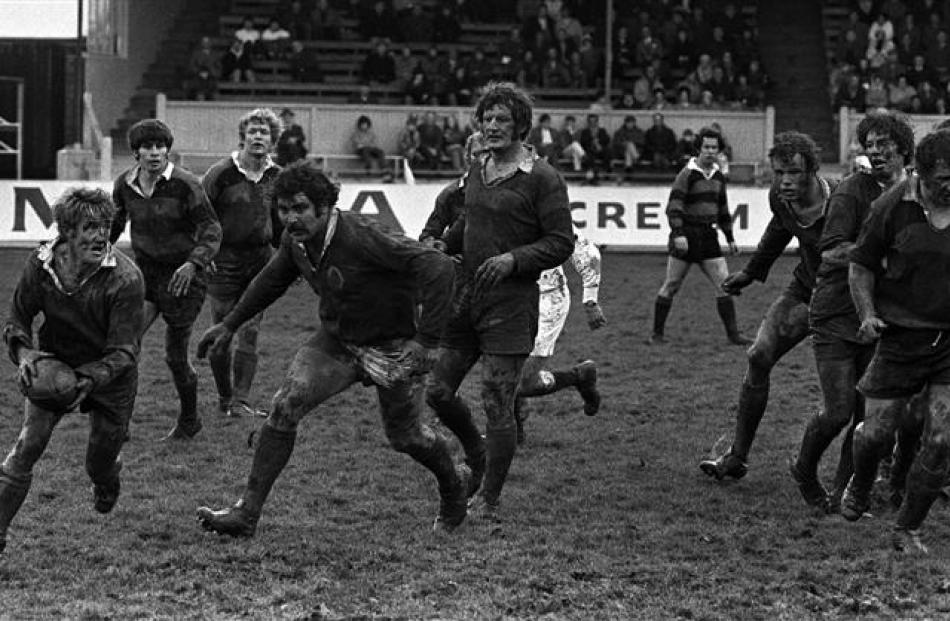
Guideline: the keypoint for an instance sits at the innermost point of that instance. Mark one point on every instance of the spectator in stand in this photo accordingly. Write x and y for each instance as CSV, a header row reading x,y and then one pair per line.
x,y
707,101
718,45
627,101
454,137
927,95
644,86
431,141
849,49
292,143
628,143
919,72
366,146
408,141
906,52
363,96
866,11
911,27
682,52
479,68
860,29
275,40
575,67
570,139
204,70
683,98
745,95
648,48
728,65
704,70
686,148
667,29
564,45
405,64
758,78
415,24
748,48
554,73
446,27
378,23
379,67
304,63
298,21
419,90
881,28
596,144
881,53
326,22
730,21
876,96
459,87
721,88
236,63
540,25
436,68
545,140
852,96
938,58
250,36
660,100
660,148
699,27
511,47
593,62
624,50
900,93
570,25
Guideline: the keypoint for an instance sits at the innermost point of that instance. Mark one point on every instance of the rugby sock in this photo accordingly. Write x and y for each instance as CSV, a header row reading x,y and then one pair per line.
x,y
433,453
245,368
815,441
661,308
845,461
727,313
188,395
923,487
457,417
500,448
221,371
13,491
752,402
274,448
545,382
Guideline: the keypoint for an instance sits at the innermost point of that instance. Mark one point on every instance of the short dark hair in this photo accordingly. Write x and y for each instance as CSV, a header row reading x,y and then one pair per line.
x,y
364,119
81,203
507,94
544,118
787,145
891,124
304,176
708,132
150,131
933,148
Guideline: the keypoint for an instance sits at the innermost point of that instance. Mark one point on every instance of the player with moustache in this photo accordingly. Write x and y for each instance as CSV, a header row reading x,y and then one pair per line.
x,y
797,199
841,354
517,224
92,299
240,188
898,279
175,236
370,285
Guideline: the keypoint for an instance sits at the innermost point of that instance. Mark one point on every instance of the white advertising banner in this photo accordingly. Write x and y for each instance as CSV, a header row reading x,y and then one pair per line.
x,y
621,218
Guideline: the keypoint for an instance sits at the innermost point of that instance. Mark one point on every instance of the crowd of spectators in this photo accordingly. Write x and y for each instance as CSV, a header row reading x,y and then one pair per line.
x,y
893,54
685,53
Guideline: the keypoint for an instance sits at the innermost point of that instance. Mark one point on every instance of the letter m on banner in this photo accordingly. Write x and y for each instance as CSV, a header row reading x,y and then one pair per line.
x,y
384,215
33,196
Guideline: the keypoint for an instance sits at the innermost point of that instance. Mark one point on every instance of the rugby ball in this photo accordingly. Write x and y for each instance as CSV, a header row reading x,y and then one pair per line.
x,y
54,386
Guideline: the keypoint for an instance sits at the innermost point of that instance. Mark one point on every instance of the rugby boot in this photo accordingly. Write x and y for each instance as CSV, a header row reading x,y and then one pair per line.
x,y
811,489
484,512
661,309
181,431
726,465
727,313
274,448
587,386
453,505
106,493
856,501
242,409
908,542
188,424
13,491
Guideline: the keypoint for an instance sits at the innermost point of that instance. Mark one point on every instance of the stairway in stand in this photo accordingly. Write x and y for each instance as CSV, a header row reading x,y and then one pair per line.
x,y
792,45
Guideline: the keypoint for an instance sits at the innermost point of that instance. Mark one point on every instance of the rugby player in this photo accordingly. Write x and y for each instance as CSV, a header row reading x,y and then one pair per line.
x,y
92,298
369,284
697,205
841,355
175,236
797,200
897,276
240,188
517,224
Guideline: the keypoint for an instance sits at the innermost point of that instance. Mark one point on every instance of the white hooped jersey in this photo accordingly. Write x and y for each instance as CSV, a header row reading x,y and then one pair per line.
x,y
586,260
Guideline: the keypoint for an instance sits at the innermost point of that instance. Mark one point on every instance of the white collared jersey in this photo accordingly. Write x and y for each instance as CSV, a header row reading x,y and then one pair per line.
x,y
586,261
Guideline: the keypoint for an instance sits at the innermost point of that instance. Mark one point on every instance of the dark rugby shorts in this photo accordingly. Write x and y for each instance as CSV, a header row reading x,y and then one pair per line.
x,y
503,321
905,361
703,242
233,273
177,312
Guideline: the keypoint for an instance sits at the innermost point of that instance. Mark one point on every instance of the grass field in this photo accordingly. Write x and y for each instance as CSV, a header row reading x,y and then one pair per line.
x,y
604,518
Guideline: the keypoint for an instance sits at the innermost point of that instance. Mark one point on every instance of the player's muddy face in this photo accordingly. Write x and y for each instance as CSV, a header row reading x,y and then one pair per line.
x,y
258,140
153,157
299,216
789,177
937,186
708,152
886,162
498,128
89,242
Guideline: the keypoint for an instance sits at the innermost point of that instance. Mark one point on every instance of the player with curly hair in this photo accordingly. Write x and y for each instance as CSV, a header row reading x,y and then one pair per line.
x,y
370,284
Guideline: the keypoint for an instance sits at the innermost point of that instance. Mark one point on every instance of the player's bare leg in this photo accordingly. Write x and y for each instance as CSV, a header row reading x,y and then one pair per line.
x,y
536,381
